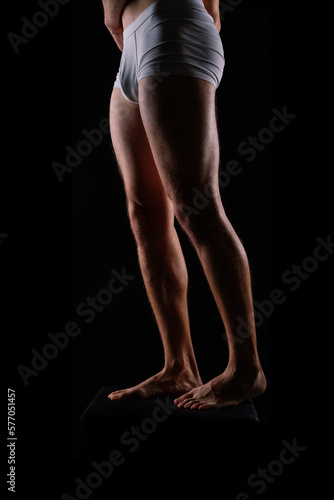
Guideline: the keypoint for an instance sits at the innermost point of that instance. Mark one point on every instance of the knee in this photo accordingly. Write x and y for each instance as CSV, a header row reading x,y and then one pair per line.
x,y
138,216
185,214
148,221
196,214
194,201
208,223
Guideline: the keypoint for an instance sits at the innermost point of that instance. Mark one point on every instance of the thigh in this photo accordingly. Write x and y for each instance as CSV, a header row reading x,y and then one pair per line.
x,y
179,116
141,178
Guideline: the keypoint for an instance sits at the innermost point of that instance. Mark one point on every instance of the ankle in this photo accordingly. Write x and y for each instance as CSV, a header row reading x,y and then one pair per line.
x,y
181,366
245,367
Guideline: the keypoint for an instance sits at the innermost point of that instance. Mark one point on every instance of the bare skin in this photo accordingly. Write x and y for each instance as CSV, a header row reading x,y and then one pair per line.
x,y
161,161
164,383
230,388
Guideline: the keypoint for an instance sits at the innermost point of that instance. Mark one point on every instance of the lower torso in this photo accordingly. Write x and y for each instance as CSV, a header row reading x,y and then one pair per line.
x,y
132,9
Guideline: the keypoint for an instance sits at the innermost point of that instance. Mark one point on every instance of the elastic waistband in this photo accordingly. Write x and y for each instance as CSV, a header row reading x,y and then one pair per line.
x,y
158,6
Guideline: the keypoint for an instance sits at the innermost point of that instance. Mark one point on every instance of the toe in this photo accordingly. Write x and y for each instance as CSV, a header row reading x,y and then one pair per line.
x,y
206,406
189,403
183,398
114,396
183,403
117,395
195,406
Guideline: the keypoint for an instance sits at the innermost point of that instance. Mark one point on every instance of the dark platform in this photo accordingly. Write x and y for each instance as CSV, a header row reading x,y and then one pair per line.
x,y
167,449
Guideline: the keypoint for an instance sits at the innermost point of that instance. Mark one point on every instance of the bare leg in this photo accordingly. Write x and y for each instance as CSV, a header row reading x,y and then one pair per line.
x,y
159,252
179,119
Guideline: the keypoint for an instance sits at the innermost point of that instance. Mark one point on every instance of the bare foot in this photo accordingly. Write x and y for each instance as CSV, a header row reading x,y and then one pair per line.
x,y
162,384
228,389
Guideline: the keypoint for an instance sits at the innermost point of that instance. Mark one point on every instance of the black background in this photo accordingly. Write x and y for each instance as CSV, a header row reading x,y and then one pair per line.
x,y
65,237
